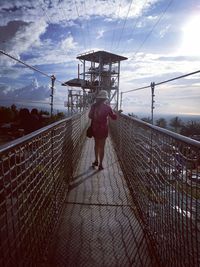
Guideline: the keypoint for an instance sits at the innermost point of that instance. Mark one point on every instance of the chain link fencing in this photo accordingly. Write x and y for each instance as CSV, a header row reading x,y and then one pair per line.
x,y
35,171
163,172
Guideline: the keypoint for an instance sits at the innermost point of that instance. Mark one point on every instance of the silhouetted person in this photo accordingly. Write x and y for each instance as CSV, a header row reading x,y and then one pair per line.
x,y
99,114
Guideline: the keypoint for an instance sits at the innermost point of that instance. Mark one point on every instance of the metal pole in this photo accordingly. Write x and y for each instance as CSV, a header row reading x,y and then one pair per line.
x,y
121,101
118,86
152,100
152,108
53,78
84,70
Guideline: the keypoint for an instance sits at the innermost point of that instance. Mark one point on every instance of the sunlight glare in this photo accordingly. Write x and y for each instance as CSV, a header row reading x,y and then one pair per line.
x,y
191,38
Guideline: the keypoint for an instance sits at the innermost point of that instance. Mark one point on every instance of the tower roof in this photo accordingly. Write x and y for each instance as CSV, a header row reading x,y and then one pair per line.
x,y
101,56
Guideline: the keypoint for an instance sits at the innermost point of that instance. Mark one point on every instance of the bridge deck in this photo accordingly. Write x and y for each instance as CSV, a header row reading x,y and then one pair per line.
x,y
98,226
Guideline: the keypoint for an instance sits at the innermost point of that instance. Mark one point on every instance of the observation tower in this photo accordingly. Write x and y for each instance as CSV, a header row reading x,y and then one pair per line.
x,y
98,71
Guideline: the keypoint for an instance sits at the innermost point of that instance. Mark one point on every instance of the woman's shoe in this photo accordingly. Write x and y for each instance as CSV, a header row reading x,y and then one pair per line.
x,y
95,163
100,167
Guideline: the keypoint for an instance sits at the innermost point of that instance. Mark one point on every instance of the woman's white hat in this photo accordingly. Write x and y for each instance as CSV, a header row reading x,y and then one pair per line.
x,y
102,94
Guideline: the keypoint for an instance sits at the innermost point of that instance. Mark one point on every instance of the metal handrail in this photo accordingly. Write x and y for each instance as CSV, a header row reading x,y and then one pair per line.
x,y
163,172
35,171
167,132
27,137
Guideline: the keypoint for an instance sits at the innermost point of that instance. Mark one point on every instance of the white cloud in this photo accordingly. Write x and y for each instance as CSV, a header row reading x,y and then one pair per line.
x,y
28,36
147,68
66,11
14,72
51,53
68,44
32,91
164,31
34,17
25,37
4,89
100,34
29,21
157,66
146,21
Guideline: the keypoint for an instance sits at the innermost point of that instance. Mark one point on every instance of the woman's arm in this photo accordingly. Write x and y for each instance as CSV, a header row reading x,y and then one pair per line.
x,y
112,114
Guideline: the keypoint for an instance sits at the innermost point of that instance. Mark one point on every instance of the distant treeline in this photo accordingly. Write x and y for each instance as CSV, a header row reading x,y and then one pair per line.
x,y
15,123
12,113
190,128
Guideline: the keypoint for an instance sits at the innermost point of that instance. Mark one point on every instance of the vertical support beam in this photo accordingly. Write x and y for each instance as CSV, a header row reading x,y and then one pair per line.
x,y
121,101
78,71
53,78
68,103
152,121
110,79
91,78
100,73
84,70
152,101
117,104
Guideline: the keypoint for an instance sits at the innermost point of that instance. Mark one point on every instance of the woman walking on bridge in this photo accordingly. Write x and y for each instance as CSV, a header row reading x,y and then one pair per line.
x,y
99,115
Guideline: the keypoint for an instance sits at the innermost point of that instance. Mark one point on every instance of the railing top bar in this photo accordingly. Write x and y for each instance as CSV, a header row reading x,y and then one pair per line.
x,y
27,65
166,81
27,137
178,137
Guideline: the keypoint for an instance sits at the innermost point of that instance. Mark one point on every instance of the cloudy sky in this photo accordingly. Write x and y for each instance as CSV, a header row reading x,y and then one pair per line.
x,y
160,38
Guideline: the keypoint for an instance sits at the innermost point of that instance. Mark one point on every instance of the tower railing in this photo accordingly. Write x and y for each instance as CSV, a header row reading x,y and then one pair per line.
x,y
35,171
163,171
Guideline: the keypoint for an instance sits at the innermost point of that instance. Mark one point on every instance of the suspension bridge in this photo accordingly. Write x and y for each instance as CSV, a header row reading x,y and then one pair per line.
x,y
141,210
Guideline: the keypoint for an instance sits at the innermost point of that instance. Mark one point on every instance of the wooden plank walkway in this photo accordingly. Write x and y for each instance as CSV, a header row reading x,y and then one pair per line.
x,y
98,226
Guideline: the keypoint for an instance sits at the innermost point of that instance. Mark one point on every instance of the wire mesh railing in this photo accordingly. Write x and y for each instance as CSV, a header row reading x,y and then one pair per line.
x,y
35,171
163,172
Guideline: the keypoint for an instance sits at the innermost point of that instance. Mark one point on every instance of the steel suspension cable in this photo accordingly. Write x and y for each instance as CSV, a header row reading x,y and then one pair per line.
x,y
27,65
179,77
44,11
84,42
114,30
166,81
154,26
87,25
136,22
120,37
137,89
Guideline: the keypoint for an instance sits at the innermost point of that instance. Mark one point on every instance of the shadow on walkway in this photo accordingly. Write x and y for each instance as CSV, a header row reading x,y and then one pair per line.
x,y
82,177
98,226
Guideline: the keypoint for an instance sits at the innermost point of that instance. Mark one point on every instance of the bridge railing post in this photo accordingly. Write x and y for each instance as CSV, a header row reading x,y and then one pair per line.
x,y
53,78
152,101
